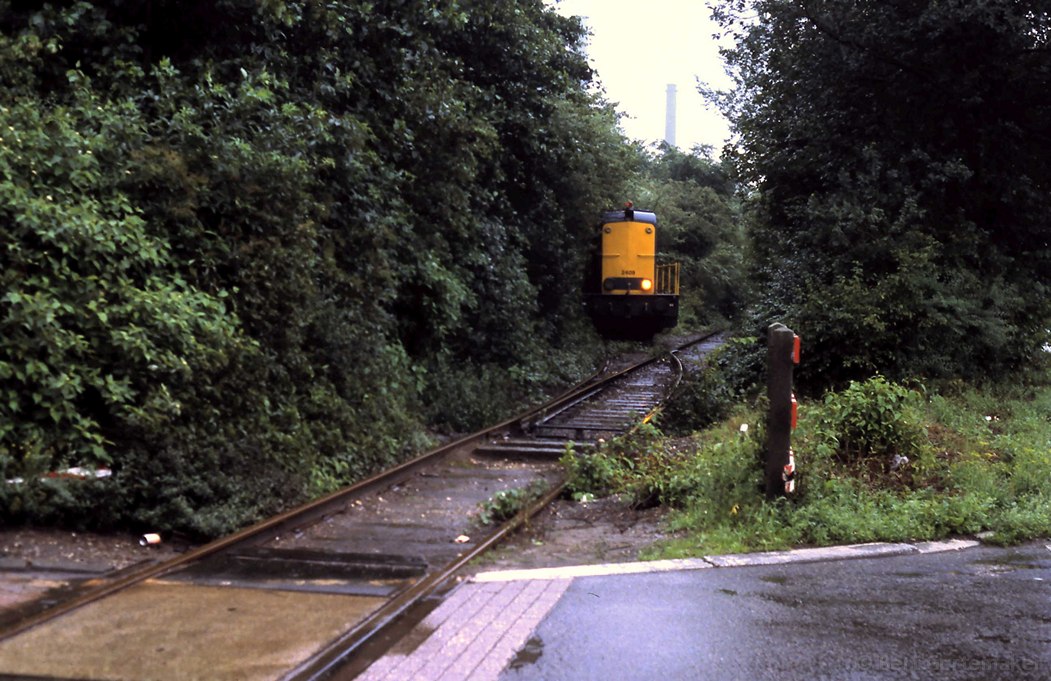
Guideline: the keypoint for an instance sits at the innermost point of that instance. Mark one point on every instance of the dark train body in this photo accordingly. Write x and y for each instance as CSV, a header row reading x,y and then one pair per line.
x,y
627,294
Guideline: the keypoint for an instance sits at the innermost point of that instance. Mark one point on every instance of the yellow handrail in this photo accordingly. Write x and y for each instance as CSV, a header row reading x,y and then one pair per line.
x,y
668,279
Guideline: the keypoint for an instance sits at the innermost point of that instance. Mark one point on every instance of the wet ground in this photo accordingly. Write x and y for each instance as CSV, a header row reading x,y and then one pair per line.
x,y
167,631
575,533
53,564
48,565
977,614
37,563
85,551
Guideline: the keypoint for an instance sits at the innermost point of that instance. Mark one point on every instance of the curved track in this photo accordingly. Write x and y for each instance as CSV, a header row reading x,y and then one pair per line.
x,y
294,596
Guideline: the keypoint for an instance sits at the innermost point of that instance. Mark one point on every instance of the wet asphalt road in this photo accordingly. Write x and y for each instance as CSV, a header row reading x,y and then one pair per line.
x,y
982,613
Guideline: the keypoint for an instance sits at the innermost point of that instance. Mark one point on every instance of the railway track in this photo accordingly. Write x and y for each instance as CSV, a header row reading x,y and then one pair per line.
x,y
295,596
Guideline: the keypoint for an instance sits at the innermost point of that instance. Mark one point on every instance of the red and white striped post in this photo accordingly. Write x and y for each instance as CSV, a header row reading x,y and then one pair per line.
x,y
783,352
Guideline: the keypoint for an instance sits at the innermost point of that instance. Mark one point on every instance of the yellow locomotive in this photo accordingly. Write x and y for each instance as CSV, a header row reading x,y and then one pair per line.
x,y
628,295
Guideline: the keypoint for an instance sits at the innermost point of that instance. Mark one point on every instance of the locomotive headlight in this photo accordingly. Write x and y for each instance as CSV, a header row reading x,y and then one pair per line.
x,y
646,284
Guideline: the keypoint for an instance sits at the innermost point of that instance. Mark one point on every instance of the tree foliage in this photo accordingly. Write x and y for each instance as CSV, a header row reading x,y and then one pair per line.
x,y
247,244
902,194
701,228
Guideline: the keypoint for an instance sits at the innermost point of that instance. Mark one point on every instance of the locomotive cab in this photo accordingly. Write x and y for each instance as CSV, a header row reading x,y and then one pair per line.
x,y
628,294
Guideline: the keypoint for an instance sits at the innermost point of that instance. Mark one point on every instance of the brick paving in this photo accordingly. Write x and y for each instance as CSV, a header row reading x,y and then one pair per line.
x,y
473,634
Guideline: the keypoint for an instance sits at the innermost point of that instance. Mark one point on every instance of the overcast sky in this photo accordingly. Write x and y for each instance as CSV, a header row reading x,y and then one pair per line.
x,y
638,48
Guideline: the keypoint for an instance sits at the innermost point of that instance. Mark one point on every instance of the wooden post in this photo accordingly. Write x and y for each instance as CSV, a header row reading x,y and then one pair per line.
x,y
782,354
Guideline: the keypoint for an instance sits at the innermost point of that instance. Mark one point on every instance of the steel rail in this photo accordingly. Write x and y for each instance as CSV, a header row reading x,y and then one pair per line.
x,y
297,517
314,510
678,379
336,654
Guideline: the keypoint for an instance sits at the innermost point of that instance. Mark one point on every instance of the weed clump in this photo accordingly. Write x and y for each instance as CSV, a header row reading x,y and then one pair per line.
x,y
506,504
877,461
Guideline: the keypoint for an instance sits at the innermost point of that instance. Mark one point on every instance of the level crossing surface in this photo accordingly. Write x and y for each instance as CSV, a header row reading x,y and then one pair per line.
x,y
950,610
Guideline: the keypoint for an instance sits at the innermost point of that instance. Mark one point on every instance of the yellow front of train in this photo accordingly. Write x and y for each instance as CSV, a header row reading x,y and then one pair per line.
x,y
629,255
636,297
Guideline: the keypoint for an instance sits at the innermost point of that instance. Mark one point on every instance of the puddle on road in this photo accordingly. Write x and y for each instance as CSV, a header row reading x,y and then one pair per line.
x,y
780,580
1012,561
529,654
728,592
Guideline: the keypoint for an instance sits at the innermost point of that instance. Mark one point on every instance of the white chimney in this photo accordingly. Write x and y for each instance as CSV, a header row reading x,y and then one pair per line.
x,y
669,117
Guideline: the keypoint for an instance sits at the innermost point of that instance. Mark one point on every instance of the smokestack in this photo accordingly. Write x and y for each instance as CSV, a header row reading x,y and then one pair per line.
x,y
669,117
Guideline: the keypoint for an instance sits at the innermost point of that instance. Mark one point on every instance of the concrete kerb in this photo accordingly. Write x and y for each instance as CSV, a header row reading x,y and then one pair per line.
x,y
807,555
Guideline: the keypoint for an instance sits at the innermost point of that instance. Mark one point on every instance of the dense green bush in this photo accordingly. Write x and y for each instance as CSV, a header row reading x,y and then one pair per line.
x,y
643,467
898,214
593,473
458,395
700,228
872,419
247,242
110,357
508,503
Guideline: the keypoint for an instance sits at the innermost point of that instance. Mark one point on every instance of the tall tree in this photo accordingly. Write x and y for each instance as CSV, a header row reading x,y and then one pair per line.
x,y
903,192
251,244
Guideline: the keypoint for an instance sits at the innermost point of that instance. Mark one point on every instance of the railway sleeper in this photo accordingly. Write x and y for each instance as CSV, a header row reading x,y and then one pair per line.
x,y
580,433
305,570
620,420
526,448
609,413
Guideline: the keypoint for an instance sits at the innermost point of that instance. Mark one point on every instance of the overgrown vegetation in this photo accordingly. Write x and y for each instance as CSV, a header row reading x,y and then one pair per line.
x,y
712,387
896,214
878,461
701,228
251,248
900,188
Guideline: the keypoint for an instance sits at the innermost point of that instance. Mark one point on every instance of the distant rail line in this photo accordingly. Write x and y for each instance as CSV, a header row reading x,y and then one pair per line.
x,y
295,596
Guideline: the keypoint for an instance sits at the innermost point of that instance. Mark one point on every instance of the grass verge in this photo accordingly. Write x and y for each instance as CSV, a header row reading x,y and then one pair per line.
x,y
877,461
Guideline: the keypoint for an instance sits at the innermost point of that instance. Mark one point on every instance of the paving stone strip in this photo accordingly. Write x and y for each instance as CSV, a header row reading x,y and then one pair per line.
x,y
474,633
